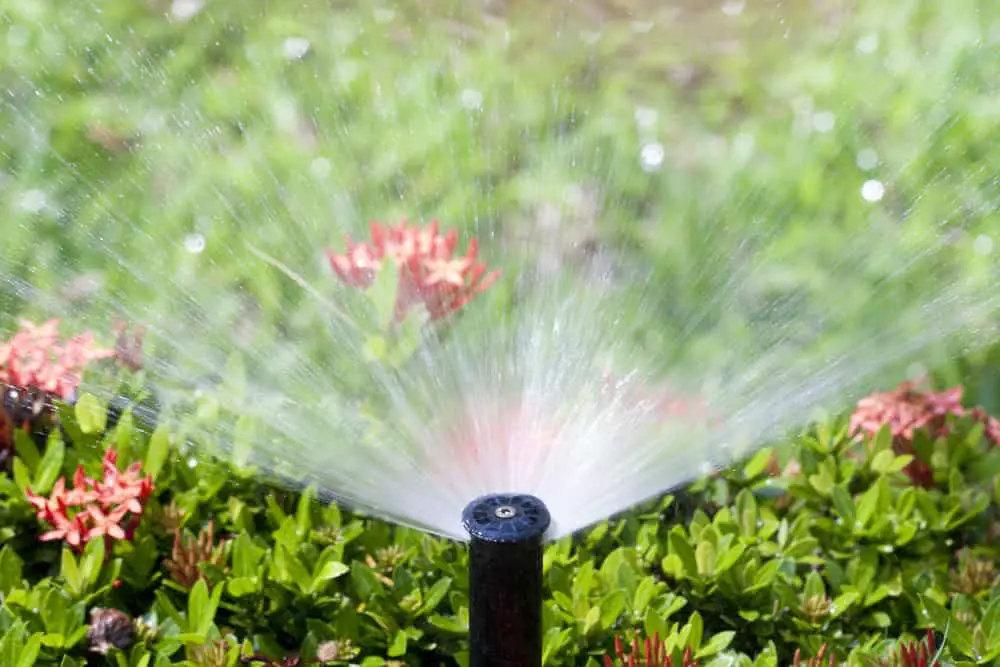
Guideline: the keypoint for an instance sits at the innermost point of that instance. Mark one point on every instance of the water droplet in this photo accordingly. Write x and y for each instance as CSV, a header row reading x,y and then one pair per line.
x,y
983,245
33,201
295,48
652,156
645,117
868,43
192,462
873,190
183,10
823,121
886,548
320,167
194,243
867,159
733,7
471,99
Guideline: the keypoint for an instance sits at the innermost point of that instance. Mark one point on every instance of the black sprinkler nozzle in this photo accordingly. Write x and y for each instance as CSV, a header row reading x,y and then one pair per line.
x,y
505,579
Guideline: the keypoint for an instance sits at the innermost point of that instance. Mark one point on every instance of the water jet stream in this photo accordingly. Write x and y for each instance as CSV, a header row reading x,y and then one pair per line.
x,y
781,255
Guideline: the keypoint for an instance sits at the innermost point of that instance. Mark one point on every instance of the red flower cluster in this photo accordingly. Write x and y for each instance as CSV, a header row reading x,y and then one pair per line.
x,y
429,271
35,357
651,653
907,410
110,508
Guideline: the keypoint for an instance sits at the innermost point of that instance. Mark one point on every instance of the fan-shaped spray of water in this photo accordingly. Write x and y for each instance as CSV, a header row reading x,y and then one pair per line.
x,y
590,386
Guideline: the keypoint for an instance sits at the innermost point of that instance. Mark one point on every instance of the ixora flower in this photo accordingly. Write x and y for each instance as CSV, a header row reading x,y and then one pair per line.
x,y
908,409
110,508
37,366
37,358
430,273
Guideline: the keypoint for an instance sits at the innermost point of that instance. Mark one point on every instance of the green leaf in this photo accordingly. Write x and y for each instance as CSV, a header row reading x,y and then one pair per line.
x,y
867,504
448,624
680,547
883,461
814,586
202,607
958,634
990,625
398,646
25,448
822,481
612,606
50,466
29,654
246,556
241,586
695,631
91,562
22,476
69,570
329,570
746,508
157,451
303,509
592,621
844,504
645,593
11,570
717,644
435,595
758,463
91,414
705,558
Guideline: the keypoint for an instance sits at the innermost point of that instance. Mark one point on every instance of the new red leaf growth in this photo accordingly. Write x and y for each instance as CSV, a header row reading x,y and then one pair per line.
x,y
649,653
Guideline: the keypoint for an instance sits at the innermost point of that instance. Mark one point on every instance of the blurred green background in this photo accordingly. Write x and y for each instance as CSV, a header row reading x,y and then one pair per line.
x,y
793,158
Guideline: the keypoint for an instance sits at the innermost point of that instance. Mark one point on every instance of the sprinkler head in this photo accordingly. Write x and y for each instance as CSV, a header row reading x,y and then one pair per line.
x,y
505,579
506,518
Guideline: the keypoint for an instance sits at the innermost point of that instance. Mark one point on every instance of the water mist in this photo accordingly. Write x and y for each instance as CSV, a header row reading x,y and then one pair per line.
x,y
676,288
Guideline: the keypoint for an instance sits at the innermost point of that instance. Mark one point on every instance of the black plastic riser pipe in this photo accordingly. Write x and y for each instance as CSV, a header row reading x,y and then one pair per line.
x,y
505,579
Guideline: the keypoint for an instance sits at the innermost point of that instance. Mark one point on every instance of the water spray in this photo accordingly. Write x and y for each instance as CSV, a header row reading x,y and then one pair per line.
x,y
505,579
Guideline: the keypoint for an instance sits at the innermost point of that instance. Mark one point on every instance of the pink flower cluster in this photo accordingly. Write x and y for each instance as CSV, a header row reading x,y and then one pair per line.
x,y
110,508
36,357
908,409
429,271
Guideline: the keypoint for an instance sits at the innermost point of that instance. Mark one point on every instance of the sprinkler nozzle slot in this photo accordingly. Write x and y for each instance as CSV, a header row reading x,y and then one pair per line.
x,y
505,579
